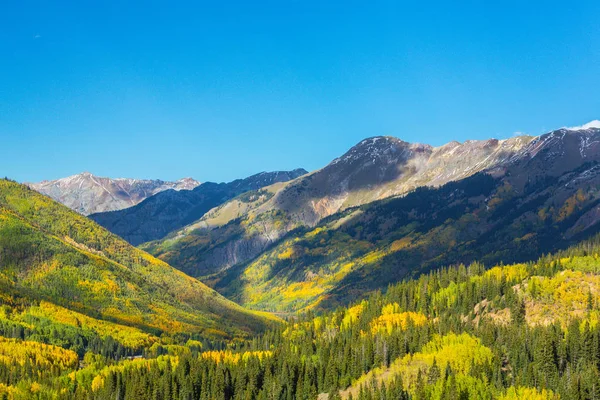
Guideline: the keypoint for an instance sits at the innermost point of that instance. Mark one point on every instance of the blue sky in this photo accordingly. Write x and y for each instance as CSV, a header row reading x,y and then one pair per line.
x,y
220,90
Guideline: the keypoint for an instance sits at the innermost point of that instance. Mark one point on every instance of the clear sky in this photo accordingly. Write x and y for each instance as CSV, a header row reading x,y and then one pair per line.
x,y
220,90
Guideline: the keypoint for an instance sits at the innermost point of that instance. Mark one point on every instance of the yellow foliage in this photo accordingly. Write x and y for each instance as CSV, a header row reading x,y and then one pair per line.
x,y
300,290
286,254
315,232
561,297
97,383
353,313
461,352
295,330
526,393
228,356
128,336
35,387
391,319
571,205
391,308
373,256
43,356
9,391
515,272
99,379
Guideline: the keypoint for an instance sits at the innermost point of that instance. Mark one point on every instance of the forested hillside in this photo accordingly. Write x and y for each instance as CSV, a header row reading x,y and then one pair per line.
x,y
519,331
49,253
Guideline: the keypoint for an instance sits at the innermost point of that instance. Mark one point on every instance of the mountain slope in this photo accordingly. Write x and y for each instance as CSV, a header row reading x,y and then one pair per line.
x,y
374,169
521,331
48,252
543,198
170,210
88,194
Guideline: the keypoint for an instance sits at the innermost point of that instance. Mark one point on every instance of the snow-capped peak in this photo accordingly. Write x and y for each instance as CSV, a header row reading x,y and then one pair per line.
x,y
590,125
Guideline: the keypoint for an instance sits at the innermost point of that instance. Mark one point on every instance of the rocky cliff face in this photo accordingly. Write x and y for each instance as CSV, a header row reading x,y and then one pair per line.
x,y
170,210
88,194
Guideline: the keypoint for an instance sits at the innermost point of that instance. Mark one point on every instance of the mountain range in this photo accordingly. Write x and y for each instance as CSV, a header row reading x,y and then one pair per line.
x,y
384,210
468,270
88,194
388,209
374,169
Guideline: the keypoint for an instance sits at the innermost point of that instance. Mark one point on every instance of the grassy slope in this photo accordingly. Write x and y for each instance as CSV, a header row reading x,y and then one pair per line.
x,y
48,252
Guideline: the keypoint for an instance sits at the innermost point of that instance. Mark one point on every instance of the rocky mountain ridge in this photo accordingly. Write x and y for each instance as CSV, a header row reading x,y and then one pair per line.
x,y
374,169
543,198
88,194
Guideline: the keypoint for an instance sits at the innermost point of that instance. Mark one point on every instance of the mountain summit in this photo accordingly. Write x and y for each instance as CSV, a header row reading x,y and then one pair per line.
x,y
535,200
88,194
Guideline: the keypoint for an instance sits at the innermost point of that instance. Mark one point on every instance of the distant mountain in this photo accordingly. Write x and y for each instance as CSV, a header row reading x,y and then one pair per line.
x,y
374,169
50,253
88,194
542,198
169,210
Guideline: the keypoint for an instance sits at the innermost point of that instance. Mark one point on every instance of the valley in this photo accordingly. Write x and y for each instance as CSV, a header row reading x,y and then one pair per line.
x,y
396,271
299,200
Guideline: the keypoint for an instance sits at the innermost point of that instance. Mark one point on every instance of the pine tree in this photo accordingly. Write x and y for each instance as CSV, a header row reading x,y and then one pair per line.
x,y
434,373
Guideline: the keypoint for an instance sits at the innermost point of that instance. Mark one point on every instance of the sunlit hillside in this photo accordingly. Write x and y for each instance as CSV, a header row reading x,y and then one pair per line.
x,y
518,331
50,253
